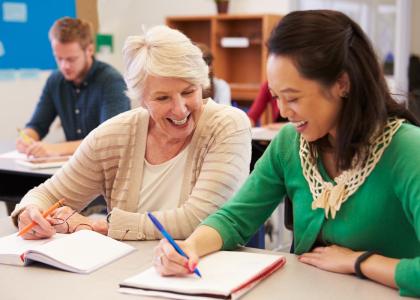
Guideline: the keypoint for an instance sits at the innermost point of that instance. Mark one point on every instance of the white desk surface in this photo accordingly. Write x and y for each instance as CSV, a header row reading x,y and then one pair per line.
x,y
8,164
263,134
294,281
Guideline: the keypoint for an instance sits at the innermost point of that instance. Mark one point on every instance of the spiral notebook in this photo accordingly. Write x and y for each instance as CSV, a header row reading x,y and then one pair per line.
x,y
225,275
81,252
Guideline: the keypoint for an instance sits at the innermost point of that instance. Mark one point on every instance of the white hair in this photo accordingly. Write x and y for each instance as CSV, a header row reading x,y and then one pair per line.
x,y
162,52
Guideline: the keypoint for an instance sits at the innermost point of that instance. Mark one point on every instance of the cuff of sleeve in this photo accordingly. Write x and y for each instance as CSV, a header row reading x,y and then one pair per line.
x,y
407,277
27,200
18,209
225,230
15,215
125,225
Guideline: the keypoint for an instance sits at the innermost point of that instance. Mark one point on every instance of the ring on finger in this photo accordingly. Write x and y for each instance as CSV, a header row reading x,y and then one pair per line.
x,y
160,259
33,232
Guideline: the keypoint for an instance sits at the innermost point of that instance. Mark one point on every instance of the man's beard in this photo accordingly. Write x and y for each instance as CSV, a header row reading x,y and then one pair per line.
x,y
82,74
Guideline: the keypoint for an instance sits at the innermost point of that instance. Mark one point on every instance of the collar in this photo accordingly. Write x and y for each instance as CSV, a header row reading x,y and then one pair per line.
x,y
330,197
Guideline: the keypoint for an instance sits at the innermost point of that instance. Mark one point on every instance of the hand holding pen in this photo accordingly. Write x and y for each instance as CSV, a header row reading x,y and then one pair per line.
x,y
33,224
171,241
23,141
26,138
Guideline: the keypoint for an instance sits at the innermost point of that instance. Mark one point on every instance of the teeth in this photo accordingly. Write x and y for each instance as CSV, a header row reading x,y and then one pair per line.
x,y
298,124
180,122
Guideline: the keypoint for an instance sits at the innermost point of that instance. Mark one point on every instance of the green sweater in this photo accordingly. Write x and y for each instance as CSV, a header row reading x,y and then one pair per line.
x,y
382,215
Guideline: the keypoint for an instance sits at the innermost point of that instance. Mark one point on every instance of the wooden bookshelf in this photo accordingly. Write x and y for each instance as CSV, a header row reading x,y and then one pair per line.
x,y
242,68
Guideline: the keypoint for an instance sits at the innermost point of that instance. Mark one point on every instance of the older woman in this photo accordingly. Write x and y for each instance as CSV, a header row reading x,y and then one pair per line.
x,y
349,161
178,155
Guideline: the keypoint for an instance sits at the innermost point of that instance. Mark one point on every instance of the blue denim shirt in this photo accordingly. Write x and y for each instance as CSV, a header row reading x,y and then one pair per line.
x,y
81,108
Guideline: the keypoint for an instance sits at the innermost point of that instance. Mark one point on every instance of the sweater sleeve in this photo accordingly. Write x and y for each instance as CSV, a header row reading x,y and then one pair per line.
x,y
407,189
114,100
45,111
241,217
220,166
78,181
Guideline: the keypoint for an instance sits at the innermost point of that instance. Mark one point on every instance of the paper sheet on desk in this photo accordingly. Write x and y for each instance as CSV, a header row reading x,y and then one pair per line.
x,y
43,162
13,155
226,275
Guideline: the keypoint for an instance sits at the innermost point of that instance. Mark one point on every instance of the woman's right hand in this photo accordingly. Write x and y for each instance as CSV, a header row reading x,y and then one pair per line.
x,y
21,145
168,262
42,230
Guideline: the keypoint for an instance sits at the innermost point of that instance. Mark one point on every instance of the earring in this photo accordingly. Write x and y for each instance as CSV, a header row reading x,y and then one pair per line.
x,y
345,95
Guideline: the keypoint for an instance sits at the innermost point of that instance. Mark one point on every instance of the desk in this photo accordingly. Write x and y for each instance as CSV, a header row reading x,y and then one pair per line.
x,y
263,134
16,180
294,281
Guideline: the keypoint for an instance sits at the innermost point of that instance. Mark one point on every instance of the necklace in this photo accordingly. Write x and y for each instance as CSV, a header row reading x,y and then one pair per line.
x,y
330,197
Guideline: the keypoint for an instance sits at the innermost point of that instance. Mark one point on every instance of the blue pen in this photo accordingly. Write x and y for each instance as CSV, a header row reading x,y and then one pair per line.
x,y
169,238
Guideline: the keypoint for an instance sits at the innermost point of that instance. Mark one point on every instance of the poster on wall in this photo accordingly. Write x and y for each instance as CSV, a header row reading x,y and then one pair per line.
x,y
24,26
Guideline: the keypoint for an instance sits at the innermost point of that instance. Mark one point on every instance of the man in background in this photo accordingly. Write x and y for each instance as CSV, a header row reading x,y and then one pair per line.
x,y
83,92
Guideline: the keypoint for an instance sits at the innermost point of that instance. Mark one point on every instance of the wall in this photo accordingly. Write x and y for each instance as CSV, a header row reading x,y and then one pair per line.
x,y
125,17
137,13
120,18
415,27
18,99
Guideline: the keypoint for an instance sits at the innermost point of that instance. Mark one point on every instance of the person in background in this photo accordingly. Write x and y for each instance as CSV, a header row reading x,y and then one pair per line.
x,y
349,162
178,155
219,89
260,103
83,92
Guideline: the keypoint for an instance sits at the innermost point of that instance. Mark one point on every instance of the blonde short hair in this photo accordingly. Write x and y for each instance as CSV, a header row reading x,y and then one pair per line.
x,y
162,52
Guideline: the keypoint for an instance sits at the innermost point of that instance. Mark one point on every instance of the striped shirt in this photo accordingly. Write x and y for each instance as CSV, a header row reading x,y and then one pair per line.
x,y
110,161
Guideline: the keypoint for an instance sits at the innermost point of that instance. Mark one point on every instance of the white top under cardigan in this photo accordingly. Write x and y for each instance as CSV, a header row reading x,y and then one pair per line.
x,y
161,186
110,162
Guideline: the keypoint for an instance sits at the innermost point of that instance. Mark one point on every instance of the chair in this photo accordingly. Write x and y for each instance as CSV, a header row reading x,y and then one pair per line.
x,y
288,213
258,240
288,219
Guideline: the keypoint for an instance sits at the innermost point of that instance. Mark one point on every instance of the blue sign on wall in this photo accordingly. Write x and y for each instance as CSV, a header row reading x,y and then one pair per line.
x,y
24,26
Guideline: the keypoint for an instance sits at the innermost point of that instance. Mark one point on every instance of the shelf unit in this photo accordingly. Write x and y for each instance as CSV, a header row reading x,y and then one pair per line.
x,y
242,68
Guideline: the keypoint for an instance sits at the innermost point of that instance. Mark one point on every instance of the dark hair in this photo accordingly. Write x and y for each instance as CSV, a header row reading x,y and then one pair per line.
x,y
208,58
68,30
323,44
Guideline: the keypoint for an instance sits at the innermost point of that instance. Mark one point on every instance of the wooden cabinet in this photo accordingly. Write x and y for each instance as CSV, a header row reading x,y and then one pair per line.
x,y
242,67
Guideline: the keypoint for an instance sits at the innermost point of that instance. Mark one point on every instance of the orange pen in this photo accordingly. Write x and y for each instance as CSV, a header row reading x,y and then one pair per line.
x,y
45,214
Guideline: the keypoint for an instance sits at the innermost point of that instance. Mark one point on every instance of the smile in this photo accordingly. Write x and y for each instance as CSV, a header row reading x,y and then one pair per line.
x,y
179,122
299,124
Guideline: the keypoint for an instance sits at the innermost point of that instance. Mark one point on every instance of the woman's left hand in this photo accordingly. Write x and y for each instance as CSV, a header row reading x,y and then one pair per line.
x,y
67,220
332,258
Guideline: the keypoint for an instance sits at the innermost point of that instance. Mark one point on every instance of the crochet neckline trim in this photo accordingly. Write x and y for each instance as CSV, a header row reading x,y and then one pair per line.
x,y
330,197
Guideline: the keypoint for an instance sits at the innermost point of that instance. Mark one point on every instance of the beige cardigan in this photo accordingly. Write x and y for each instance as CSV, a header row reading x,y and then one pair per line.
x,y
110,162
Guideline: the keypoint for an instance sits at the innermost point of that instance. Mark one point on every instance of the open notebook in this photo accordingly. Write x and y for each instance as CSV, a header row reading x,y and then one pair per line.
x,y
225,275
81,252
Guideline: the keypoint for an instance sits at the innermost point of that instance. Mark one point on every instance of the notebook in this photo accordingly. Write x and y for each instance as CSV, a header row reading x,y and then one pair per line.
x,y
43,162
81,252
225,275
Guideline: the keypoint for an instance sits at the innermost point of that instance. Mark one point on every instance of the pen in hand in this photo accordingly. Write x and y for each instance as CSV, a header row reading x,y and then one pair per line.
x,y
45,214
169,238
26,138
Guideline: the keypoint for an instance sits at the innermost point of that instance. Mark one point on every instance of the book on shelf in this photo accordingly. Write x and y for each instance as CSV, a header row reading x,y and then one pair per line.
x,y
234,42
43,162
225,275
83,251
